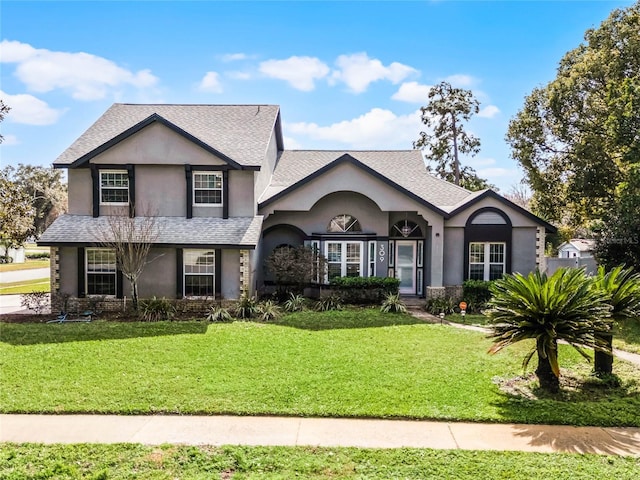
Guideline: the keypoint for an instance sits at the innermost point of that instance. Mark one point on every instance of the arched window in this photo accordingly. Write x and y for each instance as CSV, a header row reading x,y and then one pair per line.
x,y
406,229
344,223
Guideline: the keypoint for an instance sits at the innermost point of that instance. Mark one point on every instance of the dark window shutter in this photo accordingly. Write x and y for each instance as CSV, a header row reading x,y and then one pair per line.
x,y
95,182
179,277
119,284
82,288
132,190
189,180
218,273
225,194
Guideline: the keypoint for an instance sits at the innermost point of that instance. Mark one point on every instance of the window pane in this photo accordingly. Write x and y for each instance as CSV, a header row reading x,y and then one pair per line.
x,y
101,283
476,272
334,252
496,253
344,223
208,196
101,260
353,252
353,270
112,195
198,285
196,261
114,179
496,271
476,253
334,270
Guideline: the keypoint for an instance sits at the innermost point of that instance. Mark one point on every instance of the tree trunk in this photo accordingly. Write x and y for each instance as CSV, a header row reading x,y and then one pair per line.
x,y
603,361
547,379
456,161
134,294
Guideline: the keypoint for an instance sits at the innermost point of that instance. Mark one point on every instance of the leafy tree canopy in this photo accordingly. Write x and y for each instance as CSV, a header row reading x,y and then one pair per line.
x,y
444,115
4,109
16,214
578,137
47,193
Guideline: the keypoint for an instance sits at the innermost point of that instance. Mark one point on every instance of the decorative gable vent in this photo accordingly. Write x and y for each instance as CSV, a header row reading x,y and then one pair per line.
x,y
488,218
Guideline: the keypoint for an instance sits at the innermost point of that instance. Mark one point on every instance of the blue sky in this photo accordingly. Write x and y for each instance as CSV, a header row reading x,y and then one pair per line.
x,y
347,75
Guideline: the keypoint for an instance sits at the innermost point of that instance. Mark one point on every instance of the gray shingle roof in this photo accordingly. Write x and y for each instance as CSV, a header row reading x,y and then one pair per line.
x,y
205,231
241,132
403,167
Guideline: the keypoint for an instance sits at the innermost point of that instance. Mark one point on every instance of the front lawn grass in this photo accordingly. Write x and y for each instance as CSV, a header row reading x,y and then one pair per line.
x,y
25,286
354,363
204,462
626,335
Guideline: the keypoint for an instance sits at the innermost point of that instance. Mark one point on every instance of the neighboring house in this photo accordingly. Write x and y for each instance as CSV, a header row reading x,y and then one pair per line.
x,y
576,248
227,193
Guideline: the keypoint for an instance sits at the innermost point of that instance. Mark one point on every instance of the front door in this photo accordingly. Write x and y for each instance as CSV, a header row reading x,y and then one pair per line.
x,y
406,266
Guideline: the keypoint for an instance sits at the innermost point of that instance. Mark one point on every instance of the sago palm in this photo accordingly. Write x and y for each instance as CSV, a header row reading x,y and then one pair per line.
x,y
622,290
563,306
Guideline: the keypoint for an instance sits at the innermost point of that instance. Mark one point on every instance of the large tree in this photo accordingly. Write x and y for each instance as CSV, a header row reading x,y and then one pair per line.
x,y
16,215
4,109
577,137
445,138
47,191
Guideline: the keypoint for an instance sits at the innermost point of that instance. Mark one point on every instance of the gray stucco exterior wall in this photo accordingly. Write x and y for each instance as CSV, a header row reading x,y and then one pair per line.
x,y
80,191
159,275
523,250
453,256
230,274
69,271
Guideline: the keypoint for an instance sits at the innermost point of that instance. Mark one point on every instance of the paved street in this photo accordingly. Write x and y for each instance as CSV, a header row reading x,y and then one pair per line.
x,y
23,275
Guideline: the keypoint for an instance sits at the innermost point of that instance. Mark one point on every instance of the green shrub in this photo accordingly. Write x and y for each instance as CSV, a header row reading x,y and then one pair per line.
x,y
37,255
393,303
364,290
247,307
268,311
330,302
155,309
436,306
217,313
295,303
476,293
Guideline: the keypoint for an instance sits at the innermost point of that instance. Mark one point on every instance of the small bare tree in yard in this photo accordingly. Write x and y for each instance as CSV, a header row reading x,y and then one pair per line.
x,y
131,237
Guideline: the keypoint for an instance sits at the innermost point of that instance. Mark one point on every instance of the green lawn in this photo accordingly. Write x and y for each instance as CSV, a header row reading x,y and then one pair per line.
x,y
31,461
26,286
311,364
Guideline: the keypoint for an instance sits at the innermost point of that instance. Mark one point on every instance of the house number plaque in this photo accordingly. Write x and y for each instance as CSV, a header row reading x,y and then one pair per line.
x,y
381,252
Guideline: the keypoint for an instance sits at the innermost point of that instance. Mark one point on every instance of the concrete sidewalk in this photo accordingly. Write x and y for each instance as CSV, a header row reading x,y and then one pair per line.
x,y
326,432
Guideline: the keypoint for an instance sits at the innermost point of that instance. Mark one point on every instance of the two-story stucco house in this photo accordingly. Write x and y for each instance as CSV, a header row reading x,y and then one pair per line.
x,y
226,193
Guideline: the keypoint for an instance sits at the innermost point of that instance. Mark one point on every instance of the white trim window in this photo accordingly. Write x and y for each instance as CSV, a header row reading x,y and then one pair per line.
x,y
114,187
207,189
344,259
101,271
486,260
199,270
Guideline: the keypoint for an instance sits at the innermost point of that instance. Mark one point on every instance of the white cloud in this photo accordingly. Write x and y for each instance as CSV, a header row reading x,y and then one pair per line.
x,y
234,57
291,143
86,76
237,75
460,80
10,140
211,83
358,71
377,128
489,111
29,110
412,92
300,72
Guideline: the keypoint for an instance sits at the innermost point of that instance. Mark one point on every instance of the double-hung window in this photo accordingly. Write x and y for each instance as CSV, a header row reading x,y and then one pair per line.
x,y
486,260
207,188
344,259
114,187
199,273
101,271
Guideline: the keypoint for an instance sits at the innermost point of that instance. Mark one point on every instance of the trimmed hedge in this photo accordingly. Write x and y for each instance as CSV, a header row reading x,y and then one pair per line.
x,y
364,290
